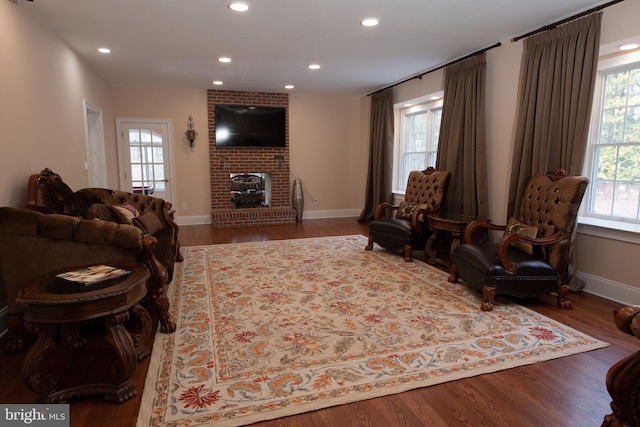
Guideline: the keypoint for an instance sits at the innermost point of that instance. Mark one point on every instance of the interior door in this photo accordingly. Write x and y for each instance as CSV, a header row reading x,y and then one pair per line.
x,y
145,157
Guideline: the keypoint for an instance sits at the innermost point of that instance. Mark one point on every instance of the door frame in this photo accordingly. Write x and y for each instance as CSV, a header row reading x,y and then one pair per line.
x,y
123,151
96,163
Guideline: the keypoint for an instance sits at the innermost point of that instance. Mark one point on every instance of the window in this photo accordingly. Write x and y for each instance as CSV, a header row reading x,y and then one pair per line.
x,y
614,146
419,131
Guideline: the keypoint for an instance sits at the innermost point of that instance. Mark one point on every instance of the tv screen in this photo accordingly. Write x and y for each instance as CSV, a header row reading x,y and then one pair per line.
x,y
250,126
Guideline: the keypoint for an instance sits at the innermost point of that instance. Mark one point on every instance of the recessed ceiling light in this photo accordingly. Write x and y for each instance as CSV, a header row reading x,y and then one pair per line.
x,y
104,50
369,22
628,46
224,59
238,6
217,82
434,98
288,87
314,66
408,105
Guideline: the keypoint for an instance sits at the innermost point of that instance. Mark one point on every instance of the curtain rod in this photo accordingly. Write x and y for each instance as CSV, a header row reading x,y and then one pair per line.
x,y
564,21
419,76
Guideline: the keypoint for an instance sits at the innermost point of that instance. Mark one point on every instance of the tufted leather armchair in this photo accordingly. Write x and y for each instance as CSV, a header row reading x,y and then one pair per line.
x,y
47,193
404,227
532,257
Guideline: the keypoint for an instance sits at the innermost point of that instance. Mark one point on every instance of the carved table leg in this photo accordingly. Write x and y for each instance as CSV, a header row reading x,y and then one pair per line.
x,y
139,327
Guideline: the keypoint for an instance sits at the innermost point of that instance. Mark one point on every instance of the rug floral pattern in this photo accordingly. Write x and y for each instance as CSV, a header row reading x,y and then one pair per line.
x,y
267,329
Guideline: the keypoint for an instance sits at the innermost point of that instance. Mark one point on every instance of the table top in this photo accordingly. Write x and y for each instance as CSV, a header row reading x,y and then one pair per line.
x,y
50,299
450,222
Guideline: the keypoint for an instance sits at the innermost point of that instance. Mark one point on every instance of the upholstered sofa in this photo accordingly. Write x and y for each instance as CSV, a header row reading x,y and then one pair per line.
x,y
47,193
33,244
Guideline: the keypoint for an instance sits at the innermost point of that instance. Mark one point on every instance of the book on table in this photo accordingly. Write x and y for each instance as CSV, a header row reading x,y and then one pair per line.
x,y
93,274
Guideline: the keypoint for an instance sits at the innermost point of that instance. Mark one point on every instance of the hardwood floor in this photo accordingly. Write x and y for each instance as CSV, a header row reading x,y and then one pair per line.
x,y
564,392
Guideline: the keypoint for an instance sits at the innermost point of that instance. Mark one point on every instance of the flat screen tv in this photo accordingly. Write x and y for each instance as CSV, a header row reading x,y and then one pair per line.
x,y
250,126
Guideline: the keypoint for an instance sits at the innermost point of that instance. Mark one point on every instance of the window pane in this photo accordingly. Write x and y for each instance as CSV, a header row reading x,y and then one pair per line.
x,y
632,125
135,154
158,171
157,138
629,163
134,136
615,89
626,200
158,155
136,172
612,129
145,135
603,195
606,158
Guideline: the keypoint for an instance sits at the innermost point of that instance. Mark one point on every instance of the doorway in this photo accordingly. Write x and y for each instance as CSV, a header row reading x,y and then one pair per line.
x,y
96,164
145,157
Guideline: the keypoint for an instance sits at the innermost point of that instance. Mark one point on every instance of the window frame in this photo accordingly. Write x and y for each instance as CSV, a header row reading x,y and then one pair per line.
x,y
618,228
402,111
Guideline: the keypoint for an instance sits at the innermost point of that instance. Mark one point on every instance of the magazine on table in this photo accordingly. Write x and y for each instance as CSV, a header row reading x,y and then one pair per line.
x,y
93,274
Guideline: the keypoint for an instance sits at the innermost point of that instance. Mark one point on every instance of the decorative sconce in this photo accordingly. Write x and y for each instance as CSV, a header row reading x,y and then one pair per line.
x,y
191,133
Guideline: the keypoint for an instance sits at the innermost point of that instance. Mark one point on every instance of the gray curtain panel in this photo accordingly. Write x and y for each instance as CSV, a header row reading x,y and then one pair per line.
x,y
379,178
462,141
557,81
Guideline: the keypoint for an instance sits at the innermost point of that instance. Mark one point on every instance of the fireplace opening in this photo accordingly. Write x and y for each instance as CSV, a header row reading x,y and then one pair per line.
x,y
250,189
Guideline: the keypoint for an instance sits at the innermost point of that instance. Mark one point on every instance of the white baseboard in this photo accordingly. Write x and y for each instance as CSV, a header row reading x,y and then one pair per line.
x,y
193,220
614,291
335,213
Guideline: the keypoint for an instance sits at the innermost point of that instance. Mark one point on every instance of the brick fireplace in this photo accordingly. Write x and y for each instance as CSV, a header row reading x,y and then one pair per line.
x,y
224,161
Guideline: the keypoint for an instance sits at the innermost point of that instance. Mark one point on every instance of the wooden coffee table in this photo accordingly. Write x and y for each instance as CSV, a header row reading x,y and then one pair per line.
x,y
83,345
453,223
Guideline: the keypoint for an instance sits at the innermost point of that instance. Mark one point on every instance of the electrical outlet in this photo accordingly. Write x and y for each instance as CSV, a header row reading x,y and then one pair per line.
x,y
185,205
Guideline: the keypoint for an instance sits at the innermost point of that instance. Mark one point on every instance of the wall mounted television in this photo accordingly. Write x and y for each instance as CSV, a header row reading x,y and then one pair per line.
x,y
250,126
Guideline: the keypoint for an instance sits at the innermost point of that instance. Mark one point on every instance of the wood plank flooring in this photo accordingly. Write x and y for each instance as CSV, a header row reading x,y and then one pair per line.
x,y
569,391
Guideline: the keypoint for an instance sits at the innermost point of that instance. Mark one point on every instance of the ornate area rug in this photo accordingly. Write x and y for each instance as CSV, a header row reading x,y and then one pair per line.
x,y
268,329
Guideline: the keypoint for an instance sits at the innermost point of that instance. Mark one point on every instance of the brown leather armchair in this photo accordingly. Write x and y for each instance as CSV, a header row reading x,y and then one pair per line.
x,y
407,227
532,258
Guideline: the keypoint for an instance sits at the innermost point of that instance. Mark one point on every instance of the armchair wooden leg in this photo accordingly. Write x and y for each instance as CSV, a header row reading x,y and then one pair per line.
x,y
408,253
563,297
488,294
369,245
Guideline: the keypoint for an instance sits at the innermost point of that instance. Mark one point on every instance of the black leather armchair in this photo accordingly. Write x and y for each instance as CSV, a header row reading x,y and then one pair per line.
x,y
532,258
407,226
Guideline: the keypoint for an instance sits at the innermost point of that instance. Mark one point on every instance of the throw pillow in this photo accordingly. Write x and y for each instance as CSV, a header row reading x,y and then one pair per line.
x,y
515,226
406,210
148,222
125,213
100,211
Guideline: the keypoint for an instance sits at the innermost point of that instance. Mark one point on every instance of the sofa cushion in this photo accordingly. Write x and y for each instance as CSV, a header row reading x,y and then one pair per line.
x,y
148,222
125,213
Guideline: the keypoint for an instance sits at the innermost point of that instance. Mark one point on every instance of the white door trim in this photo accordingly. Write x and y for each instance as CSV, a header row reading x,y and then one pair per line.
x,y
96,163
123,150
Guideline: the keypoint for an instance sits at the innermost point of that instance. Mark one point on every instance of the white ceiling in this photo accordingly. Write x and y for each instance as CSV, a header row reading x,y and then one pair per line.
x,y
176,43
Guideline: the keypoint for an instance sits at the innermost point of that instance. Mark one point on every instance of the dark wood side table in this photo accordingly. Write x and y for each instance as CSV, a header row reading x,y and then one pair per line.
x,y
83,346
453,223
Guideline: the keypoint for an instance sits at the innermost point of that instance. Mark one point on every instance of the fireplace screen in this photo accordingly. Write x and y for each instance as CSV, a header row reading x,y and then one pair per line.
x,y
250,190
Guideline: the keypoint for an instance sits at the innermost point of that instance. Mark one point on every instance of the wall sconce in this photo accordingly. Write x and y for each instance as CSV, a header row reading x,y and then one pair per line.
x,y
191,133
